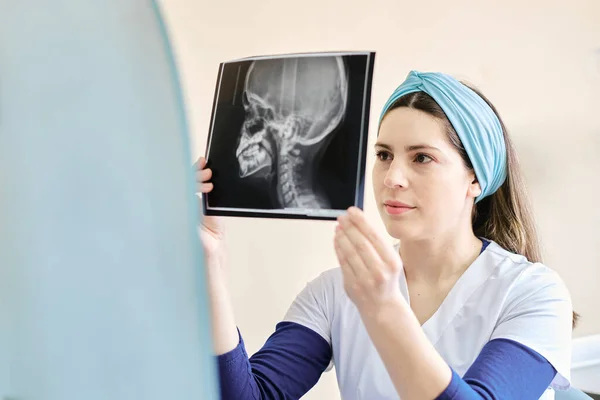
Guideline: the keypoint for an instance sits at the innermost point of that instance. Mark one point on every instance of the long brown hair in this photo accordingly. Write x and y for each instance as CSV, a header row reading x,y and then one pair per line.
x,y
506,216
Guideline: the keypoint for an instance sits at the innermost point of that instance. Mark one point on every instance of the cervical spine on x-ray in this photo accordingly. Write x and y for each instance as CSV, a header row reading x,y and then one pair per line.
x,y
292,106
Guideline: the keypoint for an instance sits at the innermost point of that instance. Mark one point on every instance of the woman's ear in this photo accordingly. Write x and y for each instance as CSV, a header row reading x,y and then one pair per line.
x,y
474,187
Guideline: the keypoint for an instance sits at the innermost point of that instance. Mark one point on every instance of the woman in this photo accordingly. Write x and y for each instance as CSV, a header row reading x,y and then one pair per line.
x,y
460,309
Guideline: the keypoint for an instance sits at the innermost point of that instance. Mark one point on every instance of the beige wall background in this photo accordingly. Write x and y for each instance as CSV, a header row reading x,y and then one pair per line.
x,y
538,61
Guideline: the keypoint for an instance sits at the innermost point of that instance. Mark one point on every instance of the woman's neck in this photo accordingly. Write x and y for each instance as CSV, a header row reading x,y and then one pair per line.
x,y
438,259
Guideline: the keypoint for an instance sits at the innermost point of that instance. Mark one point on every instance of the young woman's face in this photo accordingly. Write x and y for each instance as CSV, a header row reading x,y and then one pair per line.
x,y
422,188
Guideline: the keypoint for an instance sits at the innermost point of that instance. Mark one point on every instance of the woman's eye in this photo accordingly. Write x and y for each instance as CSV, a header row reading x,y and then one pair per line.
x,y
382,155
423,158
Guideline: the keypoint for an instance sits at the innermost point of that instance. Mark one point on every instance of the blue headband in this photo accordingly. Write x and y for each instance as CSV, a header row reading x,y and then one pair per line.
x,y
475,123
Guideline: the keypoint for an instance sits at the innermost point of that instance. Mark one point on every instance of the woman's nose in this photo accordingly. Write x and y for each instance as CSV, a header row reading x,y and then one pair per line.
x,y
395,176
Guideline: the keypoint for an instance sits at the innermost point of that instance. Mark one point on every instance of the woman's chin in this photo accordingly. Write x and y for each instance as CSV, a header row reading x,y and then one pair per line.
x,y
399,229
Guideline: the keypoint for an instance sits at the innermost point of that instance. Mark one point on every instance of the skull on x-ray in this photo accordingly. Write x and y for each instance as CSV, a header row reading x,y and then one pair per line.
x,y
292,106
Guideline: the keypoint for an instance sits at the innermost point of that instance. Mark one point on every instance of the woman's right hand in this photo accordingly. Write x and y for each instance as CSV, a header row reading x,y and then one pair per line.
x,y
212,230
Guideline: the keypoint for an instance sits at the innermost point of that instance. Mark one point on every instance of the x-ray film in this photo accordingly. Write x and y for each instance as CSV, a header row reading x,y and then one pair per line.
x,y
288,135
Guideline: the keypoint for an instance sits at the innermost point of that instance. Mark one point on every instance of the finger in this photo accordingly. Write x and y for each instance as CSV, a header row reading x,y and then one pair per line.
x,y
200,163
364,277
351,257
350,279
385,252
365,251
346,270
203,175
339,251
204,187
361,242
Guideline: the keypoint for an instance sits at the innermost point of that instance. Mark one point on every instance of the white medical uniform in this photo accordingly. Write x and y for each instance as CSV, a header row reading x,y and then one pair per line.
x,y
501,295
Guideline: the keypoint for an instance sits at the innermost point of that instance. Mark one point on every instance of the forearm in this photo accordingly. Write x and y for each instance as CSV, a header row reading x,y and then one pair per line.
x,y
224,329
414,365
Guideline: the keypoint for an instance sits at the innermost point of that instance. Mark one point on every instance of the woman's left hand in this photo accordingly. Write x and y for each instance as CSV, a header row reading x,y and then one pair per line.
x,y
370,266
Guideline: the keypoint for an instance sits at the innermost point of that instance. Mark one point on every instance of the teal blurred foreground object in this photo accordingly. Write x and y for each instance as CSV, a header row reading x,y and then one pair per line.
x,y
102,290
572,394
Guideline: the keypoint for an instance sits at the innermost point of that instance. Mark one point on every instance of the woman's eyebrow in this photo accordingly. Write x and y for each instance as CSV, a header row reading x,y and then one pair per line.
x,y
413,147
421,147
385,146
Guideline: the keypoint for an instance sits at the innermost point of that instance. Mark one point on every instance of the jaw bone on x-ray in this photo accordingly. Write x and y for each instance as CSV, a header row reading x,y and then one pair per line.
x,y
288,135
292,105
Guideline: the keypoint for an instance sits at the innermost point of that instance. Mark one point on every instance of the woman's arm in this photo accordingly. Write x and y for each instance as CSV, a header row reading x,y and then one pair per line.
x,y
414,365
371,271
504,369
539,320
224,330
293,358
286,367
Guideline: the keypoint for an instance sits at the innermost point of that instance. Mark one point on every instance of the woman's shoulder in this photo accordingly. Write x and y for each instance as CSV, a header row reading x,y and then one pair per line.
x,y
328,280
535,308
525,278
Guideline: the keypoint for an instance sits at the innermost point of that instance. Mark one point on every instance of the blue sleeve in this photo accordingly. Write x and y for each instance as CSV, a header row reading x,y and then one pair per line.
x,y
288,365
504,369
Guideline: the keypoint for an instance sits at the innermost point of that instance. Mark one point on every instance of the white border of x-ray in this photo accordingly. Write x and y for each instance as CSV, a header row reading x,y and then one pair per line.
x,y
295,211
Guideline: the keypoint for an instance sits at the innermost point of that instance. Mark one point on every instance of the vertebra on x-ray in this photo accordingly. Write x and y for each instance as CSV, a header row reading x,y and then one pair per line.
x,y
292,110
